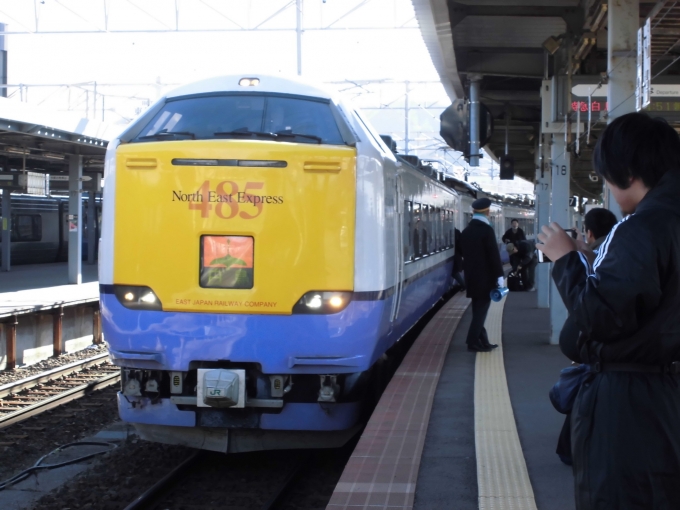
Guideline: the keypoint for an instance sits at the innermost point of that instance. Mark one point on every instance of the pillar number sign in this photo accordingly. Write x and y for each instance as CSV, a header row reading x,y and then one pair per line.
x,y
73,223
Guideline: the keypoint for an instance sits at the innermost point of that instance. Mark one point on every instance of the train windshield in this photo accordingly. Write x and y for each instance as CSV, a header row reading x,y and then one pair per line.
x,y
278,118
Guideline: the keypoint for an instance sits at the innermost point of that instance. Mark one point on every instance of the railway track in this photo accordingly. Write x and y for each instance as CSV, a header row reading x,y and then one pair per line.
x,y
157,493
28,397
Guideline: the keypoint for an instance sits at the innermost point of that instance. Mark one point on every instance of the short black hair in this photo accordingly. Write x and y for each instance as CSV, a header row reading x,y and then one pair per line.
x,y
599,221
514,219
637,145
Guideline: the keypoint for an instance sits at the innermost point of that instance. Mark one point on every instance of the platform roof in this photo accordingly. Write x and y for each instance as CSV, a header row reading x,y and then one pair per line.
x,y
47,137
502,40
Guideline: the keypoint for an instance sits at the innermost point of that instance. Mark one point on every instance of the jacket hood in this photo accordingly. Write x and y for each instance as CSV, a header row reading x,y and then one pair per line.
x,y
664,196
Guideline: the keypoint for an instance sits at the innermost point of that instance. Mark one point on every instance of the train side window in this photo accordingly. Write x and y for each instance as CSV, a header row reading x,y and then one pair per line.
x,y
426,231
408,228
26,228
450,227
417,225
440,230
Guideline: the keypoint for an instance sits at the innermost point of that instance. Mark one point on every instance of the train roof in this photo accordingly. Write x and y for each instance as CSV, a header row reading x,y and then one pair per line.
x,y
264,83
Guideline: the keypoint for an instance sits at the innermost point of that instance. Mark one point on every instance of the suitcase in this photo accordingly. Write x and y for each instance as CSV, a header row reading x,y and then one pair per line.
x,y
515,283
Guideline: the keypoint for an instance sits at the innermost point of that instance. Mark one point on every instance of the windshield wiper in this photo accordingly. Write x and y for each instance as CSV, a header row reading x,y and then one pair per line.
x,y
250,134
290,134
166,134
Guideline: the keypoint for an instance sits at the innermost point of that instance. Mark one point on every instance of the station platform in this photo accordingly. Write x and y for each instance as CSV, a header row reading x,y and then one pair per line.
x,y
42,315
461,430
39,287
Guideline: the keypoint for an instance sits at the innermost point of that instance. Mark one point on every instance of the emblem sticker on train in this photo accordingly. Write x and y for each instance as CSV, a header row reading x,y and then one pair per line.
x,y
227,199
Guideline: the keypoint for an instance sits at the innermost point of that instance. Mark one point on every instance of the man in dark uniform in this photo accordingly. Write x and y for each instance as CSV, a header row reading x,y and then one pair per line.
x,y
625,302
458,261
483,271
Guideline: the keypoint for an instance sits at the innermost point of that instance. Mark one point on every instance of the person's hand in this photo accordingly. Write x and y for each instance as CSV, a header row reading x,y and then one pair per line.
x,y
556,243
501,282
586,250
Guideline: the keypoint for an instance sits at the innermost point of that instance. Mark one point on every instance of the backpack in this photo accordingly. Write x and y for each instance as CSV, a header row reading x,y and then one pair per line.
x,y
515,283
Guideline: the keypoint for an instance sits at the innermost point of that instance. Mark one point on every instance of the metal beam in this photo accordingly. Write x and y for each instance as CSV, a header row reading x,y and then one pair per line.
x,y
573,16
474,119
655,10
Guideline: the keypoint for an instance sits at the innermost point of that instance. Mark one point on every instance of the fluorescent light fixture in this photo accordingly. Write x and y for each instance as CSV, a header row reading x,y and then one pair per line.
x,y
16,150
53,155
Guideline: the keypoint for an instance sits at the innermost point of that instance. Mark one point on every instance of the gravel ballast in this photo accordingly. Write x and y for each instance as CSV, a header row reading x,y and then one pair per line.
x,y
10,376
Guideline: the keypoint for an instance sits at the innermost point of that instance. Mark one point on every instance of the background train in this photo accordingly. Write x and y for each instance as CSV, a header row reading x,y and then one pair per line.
x,y
39,228
503,209
263,251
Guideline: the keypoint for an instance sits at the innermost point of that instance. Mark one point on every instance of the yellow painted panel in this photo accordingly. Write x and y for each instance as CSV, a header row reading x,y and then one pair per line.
x,y
302,223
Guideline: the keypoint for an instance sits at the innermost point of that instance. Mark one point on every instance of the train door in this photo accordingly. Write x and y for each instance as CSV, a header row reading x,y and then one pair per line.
x,y
398,247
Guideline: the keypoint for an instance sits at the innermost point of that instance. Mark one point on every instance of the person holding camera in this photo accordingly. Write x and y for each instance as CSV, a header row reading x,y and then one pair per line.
x,y
624,302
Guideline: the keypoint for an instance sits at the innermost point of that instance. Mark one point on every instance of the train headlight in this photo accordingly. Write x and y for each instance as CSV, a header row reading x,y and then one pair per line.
x,y
335,301
137,297
320,302
249,82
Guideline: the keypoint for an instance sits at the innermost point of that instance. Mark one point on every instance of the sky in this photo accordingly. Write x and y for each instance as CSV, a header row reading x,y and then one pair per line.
x,y
378,41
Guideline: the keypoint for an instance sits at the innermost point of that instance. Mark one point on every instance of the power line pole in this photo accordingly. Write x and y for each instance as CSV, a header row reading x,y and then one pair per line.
x,y
406,135
298,29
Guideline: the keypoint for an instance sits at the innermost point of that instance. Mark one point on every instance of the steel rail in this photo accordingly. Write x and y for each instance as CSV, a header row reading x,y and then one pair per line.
x,y
276,499
55,373
58,400
157,489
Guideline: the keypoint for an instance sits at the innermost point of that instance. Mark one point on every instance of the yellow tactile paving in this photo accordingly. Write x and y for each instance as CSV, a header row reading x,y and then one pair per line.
x,y
502,476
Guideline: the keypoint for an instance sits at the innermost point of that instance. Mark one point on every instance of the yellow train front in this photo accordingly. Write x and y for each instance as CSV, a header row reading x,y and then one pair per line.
x,y
255,263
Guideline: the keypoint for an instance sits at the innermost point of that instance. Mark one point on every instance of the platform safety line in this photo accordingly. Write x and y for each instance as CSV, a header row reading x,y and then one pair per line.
x,y
502,477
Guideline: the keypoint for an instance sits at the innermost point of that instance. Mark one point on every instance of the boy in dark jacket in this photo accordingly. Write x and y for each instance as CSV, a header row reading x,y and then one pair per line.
x,y
625,302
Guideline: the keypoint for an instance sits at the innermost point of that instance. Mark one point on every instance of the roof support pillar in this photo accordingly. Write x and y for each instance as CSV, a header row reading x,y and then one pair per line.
x,y
559,213
3,61
75,219
475,80
6,230
623,19
91,231
543,174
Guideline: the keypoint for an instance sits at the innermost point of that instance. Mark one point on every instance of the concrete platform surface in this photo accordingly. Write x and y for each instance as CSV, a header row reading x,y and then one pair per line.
x,y
31,288
458,457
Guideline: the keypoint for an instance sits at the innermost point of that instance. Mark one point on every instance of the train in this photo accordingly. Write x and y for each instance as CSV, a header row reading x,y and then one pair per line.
x,y
39,228
263,253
